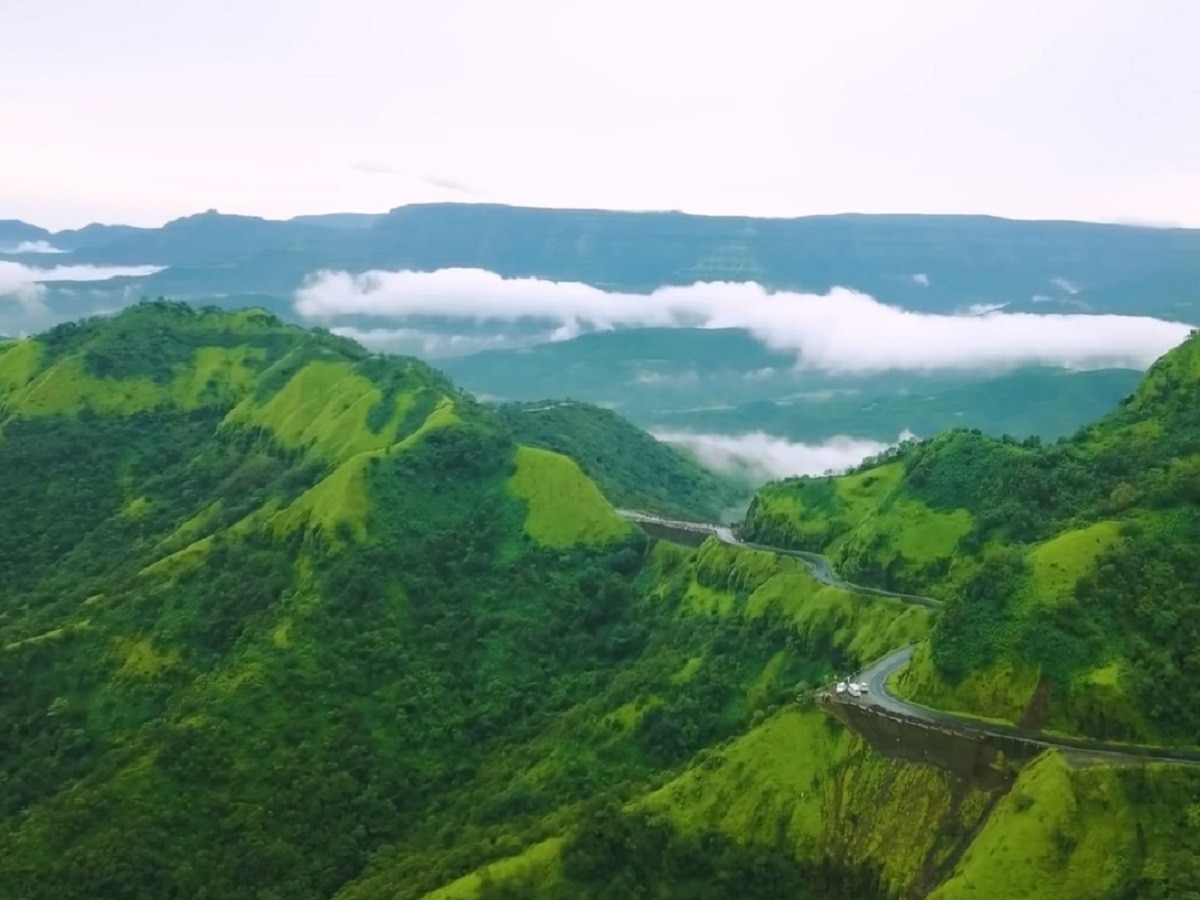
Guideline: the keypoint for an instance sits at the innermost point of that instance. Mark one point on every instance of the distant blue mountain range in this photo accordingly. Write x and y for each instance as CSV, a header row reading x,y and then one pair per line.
x,y
713,380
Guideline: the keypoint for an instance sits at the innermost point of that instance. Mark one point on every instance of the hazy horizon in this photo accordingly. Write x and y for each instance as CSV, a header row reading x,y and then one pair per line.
x,y
159,223
1073,111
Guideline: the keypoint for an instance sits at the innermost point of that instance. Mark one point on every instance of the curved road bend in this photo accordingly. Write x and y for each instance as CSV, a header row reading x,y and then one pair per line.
x,y
820,566
877,675
880,697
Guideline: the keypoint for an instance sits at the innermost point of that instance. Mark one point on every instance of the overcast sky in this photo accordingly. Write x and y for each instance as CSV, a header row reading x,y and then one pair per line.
x,y
124,110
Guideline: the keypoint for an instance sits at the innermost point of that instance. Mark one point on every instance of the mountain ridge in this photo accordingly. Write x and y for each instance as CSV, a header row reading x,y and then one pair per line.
x,y
959,259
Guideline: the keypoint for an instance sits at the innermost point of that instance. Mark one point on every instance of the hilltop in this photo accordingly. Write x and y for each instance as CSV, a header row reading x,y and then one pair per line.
x,y
1068,568
284,618
631,468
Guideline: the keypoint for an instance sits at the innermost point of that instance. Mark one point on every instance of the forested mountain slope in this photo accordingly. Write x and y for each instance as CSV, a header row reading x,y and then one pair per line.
x,y
633,469
1070,570
280,618
258,585
283,619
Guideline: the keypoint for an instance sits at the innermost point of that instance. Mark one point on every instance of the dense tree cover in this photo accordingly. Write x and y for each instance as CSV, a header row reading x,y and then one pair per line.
x,y
213,684
1073,558
244,659
1146,586
634,470
151,337
614,854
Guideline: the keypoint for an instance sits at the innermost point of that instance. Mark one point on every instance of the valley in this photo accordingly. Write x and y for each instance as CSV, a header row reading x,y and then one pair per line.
x,y
275,597
748,343
614,451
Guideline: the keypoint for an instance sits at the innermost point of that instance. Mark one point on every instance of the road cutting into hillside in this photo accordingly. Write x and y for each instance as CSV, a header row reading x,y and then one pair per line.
x,y
879,696
877,676
819,566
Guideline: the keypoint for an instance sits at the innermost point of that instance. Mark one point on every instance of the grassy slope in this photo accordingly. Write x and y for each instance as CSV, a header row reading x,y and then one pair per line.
x,y
234,510
722,586
1058,615
801,778
362,670
630,467
279,597
1095,831
565,507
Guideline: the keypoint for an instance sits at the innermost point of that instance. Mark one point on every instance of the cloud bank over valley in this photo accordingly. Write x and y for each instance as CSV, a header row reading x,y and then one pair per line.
x,y
842,332
24,247
26,284
764,457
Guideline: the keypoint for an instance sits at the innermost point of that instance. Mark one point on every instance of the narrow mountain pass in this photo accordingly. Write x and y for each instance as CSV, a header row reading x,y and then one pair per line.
x,y
877,676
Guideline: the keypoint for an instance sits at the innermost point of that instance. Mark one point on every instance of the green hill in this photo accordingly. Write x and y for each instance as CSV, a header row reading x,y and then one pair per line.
x,y
269,597
634,470
1069,569
281,618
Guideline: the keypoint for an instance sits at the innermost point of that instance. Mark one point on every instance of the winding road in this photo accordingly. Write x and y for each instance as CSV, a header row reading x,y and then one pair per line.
x,y
879,674
820,566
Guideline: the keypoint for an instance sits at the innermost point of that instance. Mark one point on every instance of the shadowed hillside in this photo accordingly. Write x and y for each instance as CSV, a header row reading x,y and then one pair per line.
x,y
632,469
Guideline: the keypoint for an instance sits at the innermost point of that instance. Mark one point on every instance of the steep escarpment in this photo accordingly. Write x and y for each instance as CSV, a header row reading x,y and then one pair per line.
x,y
1069,570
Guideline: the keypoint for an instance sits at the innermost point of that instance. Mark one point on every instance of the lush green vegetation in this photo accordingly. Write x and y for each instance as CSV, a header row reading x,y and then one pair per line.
x,y
1096,831
270,597
617,854
632,469
281,618
1068,569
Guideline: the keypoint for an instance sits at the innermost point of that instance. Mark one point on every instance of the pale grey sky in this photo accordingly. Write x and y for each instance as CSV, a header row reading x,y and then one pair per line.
x,y
132,111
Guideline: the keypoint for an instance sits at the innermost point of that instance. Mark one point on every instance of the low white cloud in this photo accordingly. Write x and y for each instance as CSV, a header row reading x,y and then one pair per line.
x,y
1063,284
819,396
765,457
29,247
982,309
689,377
26,284
761,374
843,331
921,278
419,342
